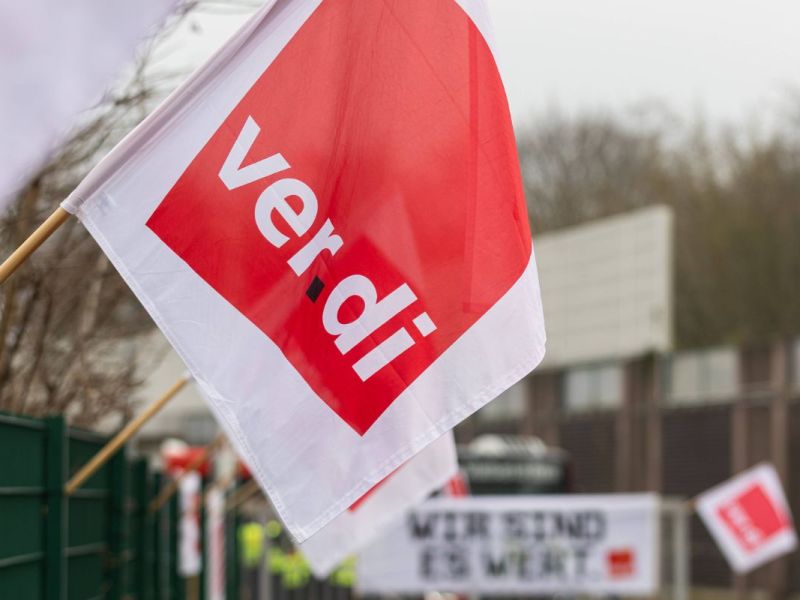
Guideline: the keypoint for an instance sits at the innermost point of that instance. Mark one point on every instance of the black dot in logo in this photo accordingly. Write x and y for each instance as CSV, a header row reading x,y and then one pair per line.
x,y
315,289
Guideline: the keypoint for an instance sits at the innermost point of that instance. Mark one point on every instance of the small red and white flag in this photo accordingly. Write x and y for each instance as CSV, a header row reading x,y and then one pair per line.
x,y
749,518
385,503
190,556
328,223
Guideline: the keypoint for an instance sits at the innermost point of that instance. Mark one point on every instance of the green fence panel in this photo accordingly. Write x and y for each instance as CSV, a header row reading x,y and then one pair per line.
x,y
131,553
89,522
22,506
118,558
157,545
139,583
56,521
232,562
203,533
102,541
177,590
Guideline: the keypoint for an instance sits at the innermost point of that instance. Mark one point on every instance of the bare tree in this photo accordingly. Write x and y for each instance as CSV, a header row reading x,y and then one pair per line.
x,y
735,195
68,323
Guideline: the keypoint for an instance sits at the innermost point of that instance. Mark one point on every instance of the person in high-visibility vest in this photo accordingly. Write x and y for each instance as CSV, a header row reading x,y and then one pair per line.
x,y
251,544
251,552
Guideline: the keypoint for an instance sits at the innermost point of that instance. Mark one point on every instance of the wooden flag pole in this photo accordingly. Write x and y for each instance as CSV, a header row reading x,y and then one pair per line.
x,y
36,239
99,459
244,493
221,485
193,587
167,492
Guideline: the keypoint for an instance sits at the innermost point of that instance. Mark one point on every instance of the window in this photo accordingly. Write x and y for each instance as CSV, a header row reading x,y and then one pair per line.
x,y
597,387
704,376
508,406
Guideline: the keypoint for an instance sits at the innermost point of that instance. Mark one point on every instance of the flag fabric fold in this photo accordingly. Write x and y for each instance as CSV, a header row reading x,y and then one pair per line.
x,y
328,224
390,499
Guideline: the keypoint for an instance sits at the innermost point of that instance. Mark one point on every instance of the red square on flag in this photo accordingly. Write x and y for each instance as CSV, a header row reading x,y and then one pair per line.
x,y
753,518
403,148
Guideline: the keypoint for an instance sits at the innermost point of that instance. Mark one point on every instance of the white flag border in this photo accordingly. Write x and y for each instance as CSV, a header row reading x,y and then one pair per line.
x,y
114,162
414,481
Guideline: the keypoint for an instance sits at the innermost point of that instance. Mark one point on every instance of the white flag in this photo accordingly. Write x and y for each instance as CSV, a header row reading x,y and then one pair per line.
x,y
56,59
328,224
215,544
749,518
387,502
190,558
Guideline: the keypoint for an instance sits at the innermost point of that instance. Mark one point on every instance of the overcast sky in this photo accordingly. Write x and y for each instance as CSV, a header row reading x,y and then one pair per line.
x,y
725,59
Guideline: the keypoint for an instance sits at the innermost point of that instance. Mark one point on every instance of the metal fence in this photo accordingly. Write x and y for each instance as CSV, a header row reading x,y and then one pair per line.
x,y
100,542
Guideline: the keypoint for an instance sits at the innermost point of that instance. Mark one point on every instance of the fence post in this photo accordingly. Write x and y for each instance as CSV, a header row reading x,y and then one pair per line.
x,y
157,541
681,578
56,519
203,538
117,527
177,588
141,531
232,566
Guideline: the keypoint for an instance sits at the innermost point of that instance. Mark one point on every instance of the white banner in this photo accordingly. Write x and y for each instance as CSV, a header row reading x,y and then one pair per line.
x,y
190,557
215,544
500,545
366,519
749,518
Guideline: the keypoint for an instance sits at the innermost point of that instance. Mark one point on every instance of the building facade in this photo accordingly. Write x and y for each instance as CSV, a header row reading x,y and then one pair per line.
x,y
675,424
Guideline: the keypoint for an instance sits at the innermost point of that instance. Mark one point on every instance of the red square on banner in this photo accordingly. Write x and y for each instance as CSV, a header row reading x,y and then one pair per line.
x,y
753,518
393,117
620,562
